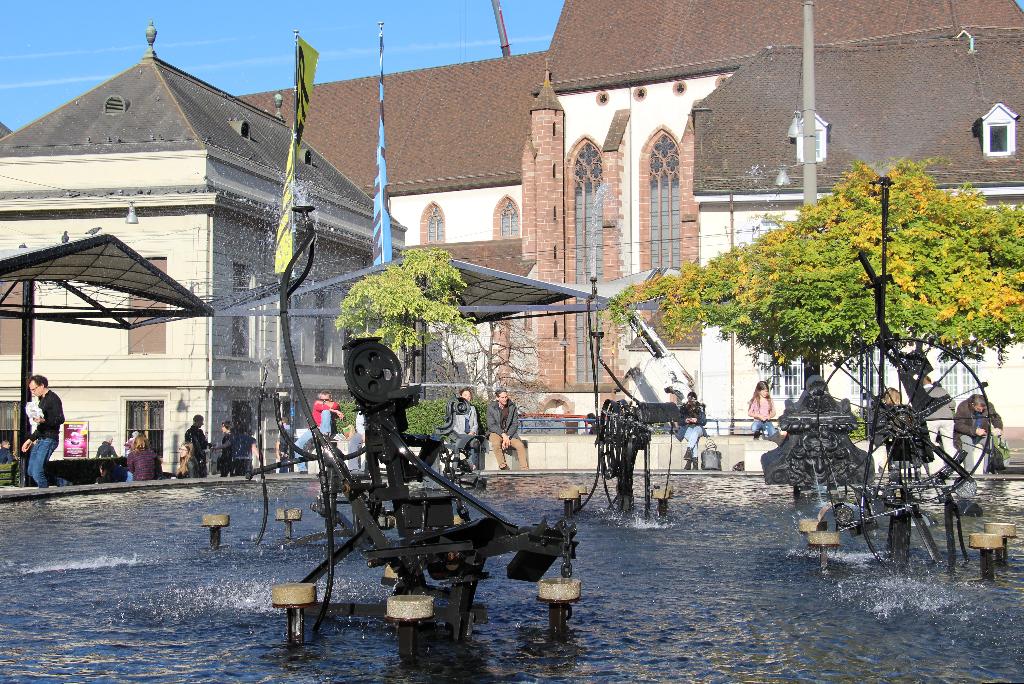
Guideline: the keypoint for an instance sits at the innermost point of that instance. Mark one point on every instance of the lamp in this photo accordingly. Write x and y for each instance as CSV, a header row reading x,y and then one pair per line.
x,y
796,125
131,218
783,177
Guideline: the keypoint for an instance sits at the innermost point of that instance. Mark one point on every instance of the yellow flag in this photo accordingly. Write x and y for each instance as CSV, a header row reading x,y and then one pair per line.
x,y
305,69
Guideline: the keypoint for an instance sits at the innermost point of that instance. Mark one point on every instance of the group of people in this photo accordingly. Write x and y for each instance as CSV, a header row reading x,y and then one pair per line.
x,y
502,428
690,427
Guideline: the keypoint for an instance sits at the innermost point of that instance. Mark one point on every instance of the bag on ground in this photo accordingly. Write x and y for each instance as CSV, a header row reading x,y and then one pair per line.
x,y
711,457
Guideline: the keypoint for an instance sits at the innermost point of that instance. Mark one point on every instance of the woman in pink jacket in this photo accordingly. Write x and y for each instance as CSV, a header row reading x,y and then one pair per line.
x,y
762,410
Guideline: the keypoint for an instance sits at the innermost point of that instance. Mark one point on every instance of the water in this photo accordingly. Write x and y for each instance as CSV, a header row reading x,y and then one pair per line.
x,y
123,587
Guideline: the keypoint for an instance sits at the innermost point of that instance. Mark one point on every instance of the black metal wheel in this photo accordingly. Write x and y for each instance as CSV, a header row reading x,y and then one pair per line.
x,y
372,372
907,429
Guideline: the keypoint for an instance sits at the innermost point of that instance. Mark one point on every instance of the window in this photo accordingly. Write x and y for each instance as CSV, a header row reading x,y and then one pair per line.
x,y
754,229
10,328
150,339
820,140
509,220
589,203
956,379
786,381
146,416
999,131
240,281
665,226
435,225
10,417
320,345
242,417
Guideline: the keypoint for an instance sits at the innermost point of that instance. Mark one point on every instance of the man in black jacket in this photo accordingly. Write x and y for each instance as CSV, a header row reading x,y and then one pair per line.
x,y
503,426
200,444
48,419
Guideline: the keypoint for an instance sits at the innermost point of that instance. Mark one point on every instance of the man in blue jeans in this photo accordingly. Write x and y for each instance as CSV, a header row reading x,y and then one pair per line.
x,y
43,440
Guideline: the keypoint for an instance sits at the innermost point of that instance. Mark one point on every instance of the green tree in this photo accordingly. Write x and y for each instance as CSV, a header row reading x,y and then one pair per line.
x,y
799,291
422,289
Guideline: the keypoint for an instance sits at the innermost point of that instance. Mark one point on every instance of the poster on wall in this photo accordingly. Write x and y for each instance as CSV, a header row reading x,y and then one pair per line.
x,y
76,439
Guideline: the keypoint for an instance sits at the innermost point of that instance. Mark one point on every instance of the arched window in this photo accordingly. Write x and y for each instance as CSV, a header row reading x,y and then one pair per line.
x,y
435,225
589,224
509,220
665,226
589,198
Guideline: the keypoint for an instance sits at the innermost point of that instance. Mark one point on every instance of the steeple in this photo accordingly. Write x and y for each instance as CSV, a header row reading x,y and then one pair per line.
x,y
546,98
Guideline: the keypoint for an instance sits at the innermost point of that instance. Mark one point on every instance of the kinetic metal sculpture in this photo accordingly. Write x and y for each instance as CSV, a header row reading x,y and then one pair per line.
x,y
433,535
907,425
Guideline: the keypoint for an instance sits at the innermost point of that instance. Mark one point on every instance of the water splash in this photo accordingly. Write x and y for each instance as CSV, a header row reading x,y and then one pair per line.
x,y
84,564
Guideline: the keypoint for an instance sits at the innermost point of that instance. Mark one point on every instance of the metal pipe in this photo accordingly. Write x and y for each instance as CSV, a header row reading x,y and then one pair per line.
x,y
988,567
27,352
558,618
499,19
296,626
809,133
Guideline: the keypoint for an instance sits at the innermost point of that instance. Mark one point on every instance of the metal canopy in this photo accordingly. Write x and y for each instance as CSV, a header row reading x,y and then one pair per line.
x,y
97,281
490,295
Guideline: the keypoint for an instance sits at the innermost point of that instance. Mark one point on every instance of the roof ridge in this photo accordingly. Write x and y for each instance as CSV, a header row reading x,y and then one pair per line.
x,y
374,77
217,91
170,93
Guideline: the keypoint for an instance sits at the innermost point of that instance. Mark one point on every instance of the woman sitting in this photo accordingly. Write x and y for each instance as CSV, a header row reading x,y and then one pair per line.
x,y
186,461
142,461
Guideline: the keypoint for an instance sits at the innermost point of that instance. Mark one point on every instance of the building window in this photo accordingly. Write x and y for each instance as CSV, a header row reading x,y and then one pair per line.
x,y
150,339
509,220
146,417
786,381
240,282
242,417
320,345
435,225
665,226
10,422
1000,131
955,378
589,204
10,328
820,139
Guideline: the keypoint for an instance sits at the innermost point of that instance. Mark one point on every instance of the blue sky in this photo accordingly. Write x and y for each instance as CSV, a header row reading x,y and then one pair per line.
x,y
52,51
69,47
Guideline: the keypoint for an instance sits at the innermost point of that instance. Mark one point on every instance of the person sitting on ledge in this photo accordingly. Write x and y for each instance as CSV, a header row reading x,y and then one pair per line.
x,y
762,410
142,462
111,471
503,426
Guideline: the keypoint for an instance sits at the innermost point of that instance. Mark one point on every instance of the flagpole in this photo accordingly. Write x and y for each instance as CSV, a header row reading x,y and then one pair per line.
x,y
295,93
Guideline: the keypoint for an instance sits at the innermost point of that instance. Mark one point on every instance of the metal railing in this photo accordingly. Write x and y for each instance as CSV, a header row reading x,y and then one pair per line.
x,y
565,424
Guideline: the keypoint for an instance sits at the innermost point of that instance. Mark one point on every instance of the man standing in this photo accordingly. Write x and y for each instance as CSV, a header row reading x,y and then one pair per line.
x,y
243,449
503,425
43,440
106,448
200,444
224,459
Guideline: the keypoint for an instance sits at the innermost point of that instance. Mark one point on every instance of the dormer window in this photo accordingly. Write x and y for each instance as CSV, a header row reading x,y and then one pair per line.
x,y
241,127
820,137
999,131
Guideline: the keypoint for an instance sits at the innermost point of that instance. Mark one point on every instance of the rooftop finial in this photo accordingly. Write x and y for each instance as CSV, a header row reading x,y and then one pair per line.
x,y
547,71
150,38
278,101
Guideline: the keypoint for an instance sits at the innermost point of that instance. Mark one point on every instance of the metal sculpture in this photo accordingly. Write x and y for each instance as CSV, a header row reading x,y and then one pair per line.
x,y
907,423
818,449
434,536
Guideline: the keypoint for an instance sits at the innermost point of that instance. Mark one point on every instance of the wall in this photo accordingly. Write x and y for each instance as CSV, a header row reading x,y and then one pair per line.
x,y
468,214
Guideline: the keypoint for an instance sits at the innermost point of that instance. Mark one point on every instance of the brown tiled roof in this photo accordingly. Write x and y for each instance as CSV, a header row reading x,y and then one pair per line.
x,y
501,255
451,127
602,43
882,101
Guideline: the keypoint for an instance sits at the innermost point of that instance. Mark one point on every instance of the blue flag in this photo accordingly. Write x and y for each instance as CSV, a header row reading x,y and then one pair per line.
x,y
381,215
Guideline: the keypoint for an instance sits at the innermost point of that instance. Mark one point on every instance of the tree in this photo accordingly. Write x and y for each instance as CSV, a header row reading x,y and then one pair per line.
x,y
957,265
407,304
